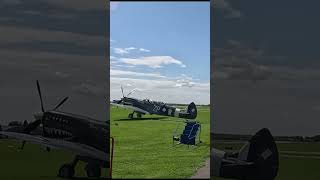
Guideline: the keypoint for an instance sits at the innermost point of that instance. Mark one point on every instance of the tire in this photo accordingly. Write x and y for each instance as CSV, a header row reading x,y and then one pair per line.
x,y
130,116
66,171
93,170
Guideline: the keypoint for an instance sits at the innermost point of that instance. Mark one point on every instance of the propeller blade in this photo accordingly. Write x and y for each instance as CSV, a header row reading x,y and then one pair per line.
x,y
32,126
39,92
61,102
133,90
122,91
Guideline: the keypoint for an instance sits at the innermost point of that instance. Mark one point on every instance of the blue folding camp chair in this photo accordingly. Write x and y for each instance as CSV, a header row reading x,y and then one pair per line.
x,y
189,134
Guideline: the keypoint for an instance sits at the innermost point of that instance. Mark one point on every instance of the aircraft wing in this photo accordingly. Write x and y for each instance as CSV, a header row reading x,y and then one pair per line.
x,y
79,149
131,107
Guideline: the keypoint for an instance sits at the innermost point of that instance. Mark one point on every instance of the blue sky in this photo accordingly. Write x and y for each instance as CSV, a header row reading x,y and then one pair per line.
x,y
170,39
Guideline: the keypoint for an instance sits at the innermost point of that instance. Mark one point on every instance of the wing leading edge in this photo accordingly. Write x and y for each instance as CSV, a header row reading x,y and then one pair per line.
x,y
79,149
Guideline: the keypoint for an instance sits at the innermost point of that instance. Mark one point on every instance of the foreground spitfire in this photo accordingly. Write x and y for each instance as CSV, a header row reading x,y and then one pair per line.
x,y
257,159
86,137
146,106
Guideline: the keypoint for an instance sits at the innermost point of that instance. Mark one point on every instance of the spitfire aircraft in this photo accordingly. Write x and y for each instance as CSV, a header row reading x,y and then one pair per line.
x,y
86,137
147,106
257,159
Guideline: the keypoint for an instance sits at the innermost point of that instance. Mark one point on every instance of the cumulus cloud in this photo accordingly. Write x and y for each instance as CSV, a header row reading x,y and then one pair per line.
x,y
176,89
115,72
123,51
120,51
144,50
129,48
165,90
153,61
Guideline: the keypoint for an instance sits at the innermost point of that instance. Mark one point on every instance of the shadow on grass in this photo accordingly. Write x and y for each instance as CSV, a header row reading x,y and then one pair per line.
x,y
202,144
142,119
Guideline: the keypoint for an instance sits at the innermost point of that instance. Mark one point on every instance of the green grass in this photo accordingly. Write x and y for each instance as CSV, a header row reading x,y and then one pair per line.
x,y
143,148
33,162
305,166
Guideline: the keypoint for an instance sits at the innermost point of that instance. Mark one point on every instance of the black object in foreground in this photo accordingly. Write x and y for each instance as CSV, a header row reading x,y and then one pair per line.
x,y
258,159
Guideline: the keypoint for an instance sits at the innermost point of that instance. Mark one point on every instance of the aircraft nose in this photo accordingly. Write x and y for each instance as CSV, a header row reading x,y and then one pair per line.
x,y
38,116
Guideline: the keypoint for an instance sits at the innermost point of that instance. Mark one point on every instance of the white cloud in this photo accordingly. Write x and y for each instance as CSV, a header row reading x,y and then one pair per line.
x,y
112,57
130,48
120,51
153,61
144,50
122,65
115,72
123,51
161,90
178,89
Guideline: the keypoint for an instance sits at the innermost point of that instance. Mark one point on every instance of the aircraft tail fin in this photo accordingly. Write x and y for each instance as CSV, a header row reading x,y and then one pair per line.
x,y
192,110
262,150
190,113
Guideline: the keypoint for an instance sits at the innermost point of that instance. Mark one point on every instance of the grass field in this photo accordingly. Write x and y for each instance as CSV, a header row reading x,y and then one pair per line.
x,y
297,160
143,147
33,162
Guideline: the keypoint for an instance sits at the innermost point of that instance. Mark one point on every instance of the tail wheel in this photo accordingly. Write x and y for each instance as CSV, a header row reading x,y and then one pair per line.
x,y
93,170
66,171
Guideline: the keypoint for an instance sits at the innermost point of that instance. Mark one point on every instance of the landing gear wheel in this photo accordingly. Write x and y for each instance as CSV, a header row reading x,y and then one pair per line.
x,y
66,171
93,170
139,115
130,116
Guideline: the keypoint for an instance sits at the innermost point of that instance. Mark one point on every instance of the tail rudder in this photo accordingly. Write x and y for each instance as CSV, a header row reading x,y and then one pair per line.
x,y
189,113
262,151
192,110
